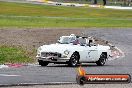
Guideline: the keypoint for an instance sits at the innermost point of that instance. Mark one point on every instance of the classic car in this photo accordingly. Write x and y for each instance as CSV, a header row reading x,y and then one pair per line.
x,y
73,50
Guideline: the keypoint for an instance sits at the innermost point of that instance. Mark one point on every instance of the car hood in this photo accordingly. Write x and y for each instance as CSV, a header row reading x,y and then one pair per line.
x,y
60,48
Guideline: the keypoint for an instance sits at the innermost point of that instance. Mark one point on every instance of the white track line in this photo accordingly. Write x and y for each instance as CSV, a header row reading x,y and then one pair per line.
x,y
8,75
118,7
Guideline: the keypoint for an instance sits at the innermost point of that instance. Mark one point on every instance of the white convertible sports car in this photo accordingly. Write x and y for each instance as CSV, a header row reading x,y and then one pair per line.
x,y
73,50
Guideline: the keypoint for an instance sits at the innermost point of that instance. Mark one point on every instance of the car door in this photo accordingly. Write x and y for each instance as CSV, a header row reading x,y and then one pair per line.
x,y
83,51
92,53
88,53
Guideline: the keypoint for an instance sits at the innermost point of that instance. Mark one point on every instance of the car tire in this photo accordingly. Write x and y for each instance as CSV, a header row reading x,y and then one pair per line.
x,y
102,60
74,60
43,63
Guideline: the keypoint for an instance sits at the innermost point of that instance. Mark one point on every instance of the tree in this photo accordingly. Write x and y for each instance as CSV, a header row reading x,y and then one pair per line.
x,y
104,2
95,2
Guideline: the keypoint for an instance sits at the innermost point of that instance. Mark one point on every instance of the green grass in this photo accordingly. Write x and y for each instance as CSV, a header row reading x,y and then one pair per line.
x,y
62,22
11,15
54,16
10,54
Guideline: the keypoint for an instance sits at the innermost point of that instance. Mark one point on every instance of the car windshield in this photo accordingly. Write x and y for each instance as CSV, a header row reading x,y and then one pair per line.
x,y
66,40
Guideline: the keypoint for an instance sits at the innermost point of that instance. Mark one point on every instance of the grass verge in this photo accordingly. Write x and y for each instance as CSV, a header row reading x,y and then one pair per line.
x,y
12,15
32,22
11,54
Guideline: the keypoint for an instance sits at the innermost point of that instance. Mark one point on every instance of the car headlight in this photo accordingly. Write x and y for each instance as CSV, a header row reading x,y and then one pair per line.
x,y
66,52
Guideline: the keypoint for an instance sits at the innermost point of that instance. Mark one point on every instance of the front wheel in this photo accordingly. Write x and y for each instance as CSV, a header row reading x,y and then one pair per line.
x,y
43,63
74,60
102,60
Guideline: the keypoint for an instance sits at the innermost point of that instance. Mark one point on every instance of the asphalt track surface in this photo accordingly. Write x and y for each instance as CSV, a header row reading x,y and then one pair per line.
x,y
35,74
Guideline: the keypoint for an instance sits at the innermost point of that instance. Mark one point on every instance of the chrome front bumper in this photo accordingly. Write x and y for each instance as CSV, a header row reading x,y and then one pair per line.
x,y
53,59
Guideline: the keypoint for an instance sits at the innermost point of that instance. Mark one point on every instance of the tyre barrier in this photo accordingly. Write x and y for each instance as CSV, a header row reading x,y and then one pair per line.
x,y
58,4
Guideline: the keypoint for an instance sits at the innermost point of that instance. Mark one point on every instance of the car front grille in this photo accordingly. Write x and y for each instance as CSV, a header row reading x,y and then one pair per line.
x,y
47,54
